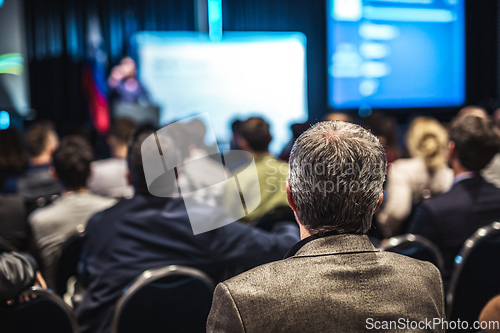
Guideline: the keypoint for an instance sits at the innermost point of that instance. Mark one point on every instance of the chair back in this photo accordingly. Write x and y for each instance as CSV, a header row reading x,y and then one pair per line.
x,y
47,313
68,263
476,276
168,299
416,247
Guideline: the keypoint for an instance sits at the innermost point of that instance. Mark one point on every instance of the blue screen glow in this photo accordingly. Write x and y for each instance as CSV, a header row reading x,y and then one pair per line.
x,y
396,53
4,120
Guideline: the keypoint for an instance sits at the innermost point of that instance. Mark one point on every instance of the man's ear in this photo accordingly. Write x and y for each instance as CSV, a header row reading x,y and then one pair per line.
x,y
129,178
289,196
242,143
53,173
380,200
451,153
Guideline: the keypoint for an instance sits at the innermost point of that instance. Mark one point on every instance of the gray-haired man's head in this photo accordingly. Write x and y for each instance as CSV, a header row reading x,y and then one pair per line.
x,y
337,171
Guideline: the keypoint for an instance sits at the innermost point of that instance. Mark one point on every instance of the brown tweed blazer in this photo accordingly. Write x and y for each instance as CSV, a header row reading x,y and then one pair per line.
x,y
337,283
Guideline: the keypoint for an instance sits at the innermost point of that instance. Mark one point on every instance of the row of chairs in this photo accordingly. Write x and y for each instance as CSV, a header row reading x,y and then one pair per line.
x,y
476,276
142,308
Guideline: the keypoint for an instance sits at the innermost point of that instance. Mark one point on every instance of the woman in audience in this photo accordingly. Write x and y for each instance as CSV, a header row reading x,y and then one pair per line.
x,y
413,179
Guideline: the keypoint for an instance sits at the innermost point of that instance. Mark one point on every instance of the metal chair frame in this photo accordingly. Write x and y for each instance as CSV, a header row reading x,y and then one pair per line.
x,y
470,244
396,241
152,275
44,293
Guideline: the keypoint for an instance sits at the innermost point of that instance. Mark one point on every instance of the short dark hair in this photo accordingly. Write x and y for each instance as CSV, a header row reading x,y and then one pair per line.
x,y
134,158
256,133
337,171
122,129
71,161
36,137
476,140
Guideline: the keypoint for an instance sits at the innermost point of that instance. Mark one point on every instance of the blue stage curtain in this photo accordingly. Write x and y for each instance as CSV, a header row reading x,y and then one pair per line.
x,y
57,46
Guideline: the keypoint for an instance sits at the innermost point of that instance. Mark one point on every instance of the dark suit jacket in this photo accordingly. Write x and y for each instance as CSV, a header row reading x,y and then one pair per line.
x,y
449,219
14,227
147,232
331,284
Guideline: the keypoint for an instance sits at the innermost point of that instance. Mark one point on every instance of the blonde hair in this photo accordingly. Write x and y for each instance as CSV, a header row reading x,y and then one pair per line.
x,y
427,138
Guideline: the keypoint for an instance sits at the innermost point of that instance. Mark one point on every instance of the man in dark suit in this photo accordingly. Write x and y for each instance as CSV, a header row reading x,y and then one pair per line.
x,y
333,280
449,219
147,232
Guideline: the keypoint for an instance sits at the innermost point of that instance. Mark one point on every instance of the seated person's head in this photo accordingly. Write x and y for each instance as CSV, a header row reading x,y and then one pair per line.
x,y
164,184
254,135
472,110
71,162
384,127
428,139
337,170
41,141
473,143
338,116
120,132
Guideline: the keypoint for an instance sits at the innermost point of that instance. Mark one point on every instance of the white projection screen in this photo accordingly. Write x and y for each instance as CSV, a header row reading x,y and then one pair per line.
x,y
14,89
245,74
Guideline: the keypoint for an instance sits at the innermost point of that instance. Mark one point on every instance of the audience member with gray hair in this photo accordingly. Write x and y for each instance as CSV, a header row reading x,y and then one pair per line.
x,y
333,280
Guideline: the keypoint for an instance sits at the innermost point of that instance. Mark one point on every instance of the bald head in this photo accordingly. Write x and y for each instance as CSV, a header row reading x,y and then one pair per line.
x,y
472,110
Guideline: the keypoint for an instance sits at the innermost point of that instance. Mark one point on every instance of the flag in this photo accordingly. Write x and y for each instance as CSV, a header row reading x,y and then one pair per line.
x,y
94,81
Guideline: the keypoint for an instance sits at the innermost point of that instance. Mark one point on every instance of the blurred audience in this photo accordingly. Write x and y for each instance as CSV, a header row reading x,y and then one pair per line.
x,y
496,117
13,161
449,219
411,180
472,110
147,232
254,137
67,216
492,171
334,279
338,116
297,130
385,129
37,186
108,177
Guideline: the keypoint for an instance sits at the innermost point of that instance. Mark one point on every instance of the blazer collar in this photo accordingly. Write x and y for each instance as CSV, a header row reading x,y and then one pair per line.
x,y
331,243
